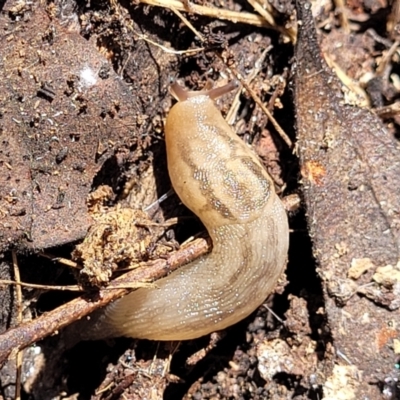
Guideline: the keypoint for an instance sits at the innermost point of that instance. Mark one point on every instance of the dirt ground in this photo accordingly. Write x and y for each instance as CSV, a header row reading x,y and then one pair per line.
x,y
83,101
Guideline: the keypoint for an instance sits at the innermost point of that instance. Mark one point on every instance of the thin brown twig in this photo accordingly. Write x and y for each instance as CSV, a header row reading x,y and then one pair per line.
x,y
75,288
167,49
19,318
254,72
233,16
264,10
259,102
387,56
105,389
19,284
341,10
15,339
61,260
353,86
187,23
274,122
166,224
388,111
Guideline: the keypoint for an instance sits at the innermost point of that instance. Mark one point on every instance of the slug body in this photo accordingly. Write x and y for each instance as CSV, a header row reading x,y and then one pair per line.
x,y
222,181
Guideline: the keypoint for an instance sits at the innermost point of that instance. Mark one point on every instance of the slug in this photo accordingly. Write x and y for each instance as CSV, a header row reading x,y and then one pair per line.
x,y
218,177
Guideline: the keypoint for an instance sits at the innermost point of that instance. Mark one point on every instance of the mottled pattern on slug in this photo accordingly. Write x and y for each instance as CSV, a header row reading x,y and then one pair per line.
x,y
231,180
221,180
238,190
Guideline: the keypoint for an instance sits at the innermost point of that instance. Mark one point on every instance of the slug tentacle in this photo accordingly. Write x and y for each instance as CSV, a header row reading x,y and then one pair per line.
x,y
222,181
181,94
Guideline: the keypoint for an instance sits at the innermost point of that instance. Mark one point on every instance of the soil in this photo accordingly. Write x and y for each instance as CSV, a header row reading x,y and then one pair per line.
x,y
83,99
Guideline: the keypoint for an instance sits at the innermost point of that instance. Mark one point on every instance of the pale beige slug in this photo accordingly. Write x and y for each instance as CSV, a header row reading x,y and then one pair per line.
x,y
219,178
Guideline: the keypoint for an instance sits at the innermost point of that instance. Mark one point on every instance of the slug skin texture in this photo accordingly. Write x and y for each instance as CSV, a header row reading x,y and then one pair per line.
x,y
220,179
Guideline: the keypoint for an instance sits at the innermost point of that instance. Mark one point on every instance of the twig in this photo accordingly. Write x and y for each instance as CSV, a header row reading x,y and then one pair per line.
x,y
200,354
233,16
166,224
167,365
269,309
265,13
290,32
19,284
351,84
187,23
388,111
17,277
341,10
167,49
61,260
387,58
254,96
160,200
15,339
76,288
254,72
274,122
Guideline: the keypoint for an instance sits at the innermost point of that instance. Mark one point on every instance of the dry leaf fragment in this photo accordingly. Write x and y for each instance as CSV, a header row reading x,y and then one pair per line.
x,y
359,266
119,238
387,276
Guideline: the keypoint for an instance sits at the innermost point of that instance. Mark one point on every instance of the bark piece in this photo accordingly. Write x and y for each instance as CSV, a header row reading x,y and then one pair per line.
x,y
59,122
350,168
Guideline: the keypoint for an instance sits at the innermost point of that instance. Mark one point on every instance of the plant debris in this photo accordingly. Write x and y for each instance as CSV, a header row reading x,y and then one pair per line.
x,y
119,238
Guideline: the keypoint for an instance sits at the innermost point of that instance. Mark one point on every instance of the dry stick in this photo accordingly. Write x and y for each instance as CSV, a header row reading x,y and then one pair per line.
x,y
222,14
350,83
254,96
102,390
264,21
274,122
341,10
71,288
387,58
290,32
17,277
388,111
263,11
230,117
15,339
167,49
188,24
61,260
234,16
168,364
76,288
